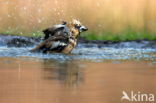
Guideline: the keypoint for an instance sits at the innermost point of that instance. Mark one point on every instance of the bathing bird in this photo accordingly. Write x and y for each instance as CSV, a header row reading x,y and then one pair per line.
x,y
61,38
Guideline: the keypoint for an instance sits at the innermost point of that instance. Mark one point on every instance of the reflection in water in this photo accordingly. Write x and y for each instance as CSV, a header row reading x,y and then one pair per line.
x,y
67,72
27,80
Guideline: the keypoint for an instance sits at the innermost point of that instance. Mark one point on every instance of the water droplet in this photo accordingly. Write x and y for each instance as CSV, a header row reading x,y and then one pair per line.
x,y
39,20
58,13
24,8
54,9
7,2
56,2
9,15
39,10
97,4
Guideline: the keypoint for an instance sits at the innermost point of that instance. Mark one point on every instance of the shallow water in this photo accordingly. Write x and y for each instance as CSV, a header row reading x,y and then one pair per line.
x,y
88,75
82,52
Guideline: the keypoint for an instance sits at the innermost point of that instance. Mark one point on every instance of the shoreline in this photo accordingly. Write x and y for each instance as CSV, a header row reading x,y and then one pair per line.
x,y
23,41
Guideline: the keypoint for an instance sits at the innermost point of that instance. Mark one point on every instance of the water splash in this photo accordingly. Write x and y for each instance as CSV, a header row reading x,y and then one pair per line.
x,y
17,46
85,53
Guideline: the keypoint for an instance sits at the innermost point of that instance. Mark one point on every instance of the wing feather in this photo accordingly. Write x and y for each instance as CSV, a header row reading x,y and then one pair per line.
x,y
53,30
52,44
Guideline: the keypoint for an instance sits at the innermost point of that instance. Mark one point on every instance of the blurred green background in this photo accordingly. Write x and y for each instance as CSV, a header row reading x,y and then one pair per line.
x,y
106,19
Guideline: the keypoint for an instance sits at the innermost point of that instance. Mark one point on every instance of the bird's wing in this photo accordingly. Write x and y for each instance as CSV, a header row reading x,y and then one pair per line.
x,y
51,31
53,43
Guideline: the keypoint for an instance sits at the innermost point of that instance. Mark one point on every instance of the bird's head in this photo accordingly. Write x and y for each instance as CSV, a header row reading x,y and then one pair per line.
x,y
77,24
76,27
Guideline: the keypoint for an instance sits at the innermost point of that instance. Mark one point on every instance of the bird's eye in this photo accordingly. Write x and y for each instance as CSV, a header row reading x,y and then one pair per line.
x,y
77,26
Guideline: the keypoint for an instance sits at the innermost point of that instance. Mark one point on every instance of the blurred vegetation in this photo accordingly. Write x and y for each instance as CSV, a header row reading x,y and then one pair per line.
x,y
106,19
126,35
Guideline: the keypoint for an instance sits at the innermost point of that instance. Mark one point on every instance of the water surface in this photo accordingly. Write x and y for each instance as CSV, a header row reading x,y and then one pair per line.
x,y
88,75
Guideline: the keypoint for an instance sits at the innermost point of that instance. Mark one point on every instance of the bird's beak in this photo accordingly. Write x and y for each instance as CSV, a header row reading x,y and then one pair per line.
x,y
83,28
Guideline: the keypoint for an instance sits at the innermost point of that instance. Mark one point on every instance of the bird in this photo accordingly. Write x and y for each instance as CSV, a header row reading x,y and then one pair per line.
x,y
61,38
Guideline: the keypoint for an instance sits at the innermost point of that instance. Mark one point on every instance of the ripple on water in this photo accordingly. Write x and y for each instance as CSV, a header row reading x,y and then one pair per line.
x,y
86,53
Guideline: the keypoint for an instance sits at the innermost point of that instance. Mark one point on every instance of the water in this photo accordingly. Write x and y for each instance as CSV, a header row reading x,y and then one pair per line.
x,y
85,53
88,75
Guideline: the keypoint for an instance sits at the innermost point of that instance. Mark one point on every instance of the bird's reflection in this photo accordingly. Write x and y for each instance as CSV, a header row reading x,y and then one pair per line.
x,y
69,73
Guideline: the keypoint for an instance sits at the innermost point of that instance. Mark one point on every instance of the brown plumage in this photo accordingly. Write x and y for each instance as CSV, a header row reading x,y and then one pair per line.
x,y
61,38
58,43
